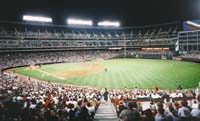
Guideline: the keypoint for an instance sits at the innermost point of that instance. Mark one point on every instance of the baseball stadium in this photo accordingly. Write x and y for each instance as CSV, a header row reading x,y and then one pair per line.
x,y
89,69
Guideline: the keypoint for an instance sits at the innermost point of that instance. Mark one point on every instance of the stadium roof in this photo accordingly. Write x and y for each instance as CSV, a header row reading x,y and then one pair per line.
x,y
128,12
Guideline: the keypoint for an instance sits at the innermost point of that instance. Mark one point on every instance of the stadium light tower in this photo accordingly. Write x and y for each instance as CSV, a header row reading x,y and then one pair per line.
x,y
72,21
37,18
109,23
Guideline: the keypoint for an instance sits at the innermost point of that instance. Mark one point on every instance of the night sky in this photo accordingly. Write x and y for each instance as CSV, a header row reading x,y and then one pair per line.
x,y
128,12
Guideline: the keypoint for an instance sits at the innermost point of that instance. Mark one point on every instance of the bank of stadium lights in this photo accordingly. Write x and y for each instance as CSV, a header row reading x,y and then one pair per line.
x,y
193,23
72,21
109,23
37,18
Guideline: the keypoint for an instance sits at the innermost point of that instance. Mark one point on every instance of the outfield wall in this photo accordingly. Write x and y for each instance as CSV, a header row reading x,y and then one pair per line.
x,y
191,60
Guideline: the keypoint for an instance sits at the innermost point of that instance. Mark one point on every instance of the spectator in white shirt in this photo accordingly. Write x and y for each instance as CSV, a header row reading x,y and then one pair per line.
x,y
184,112
195,113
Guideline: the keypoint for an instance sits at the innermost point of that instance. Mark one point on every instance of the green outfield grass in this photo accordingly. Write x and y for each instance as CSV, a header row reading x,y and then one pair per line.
x,y
143,73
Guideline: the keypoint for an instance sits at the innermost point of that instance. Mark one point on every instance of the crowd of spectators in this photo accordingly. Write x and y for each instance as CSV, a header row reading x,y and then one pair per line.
x,y
191,56
152,94
157,110
23,99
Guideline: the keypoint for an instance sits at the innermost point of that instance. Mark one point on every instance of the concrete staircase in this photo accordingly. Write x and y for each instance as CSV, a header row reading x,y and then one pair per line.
x,y
106,112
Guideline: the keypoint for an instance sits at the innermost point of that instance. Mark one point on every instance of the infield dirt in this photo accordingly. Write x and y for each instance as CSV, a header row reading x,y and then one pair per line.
x,y
86,69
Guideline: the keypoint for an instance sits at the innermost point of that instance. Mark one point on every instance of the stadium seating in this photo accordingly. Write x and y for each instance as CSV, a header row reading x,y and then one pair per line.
x,y
26,99
22,35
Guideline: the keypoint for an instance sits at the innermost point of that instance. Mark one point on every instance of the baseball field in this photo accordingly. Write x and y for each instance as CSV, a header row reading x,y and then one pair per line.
x,y
119,73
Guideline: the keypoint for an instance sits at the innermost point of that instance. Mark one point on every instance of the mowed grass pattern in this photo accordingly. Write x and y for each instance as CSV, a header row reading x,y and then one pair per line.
x,y
121,73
